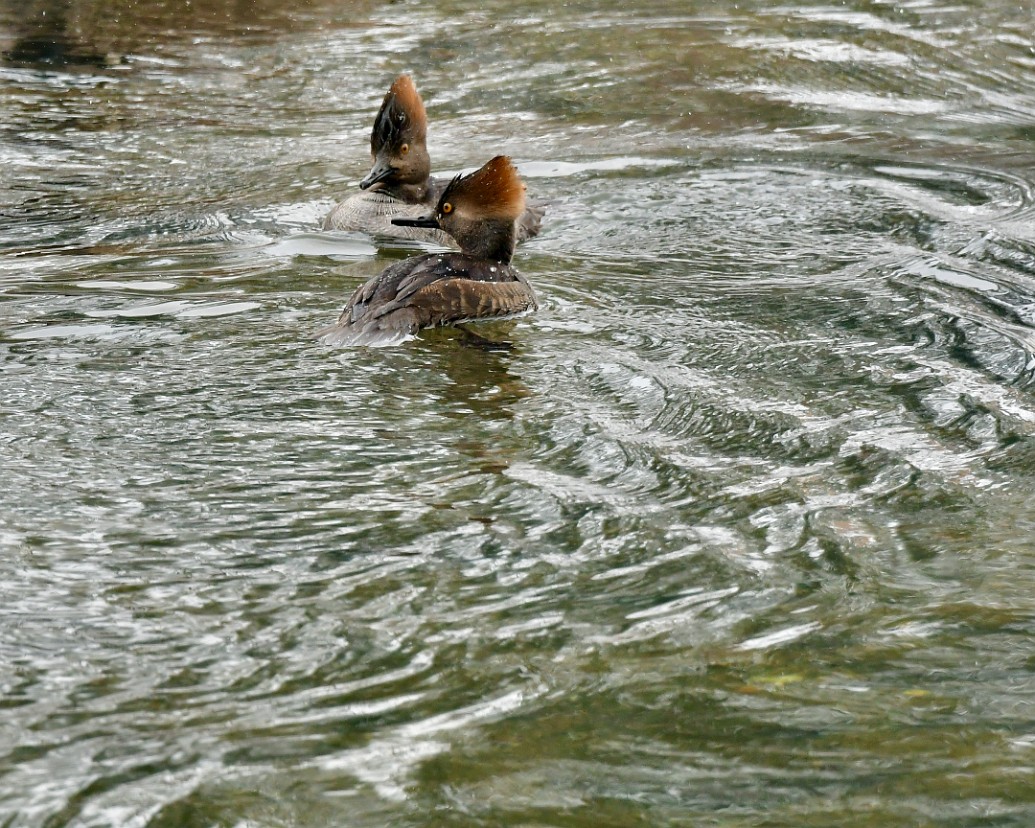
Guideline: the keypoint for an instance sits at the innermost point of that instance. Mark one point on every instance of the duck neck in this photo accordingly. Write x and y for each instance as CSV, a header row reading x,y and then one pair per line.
x,y
411,193
490,239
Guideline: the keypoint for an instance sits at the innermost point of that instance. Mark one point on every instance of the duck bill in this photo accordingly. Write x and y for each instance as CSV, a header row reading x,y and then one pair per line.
x,y
379,172
429,222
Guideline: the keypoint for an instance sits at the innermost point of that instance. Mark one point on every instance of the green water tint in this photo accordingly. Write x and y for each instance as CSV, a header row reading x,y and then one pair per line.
x,y
734,530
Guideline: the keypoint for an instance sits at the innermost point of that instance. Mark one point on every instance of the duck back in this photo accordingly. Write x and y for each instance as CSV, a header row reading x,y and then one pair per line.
x,y
428,291
371,211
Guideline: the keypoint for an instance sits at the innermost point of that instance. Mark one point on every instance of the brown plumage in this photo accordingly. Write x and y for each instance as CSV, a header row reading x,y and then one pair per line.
x,y
402,116
495,191
480,211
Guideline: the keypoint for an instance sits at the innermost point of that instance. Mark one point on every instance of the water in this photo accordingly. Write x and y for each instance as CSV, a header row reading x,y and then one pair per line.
x,y
738,531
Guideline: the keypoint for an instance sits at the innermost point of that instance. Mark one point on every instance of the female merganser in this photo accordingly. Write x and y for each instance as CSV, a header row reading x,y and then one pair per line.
x,y
480,211
399,184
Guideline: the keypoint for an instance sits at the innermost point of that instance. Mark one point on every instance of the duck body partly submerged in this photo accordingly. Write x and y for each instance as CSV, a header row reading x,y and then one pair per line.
x,y
429,291
372,211
480,211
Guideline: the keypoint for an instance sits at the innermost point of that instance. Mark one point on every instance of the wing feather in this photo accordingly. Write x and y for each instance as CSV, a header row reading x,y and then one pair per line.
x,y
431,290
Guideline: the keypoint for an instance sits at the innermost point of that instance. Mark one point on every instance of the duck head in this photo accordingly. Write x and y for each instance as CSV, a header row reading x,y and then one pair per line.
x,y
480,210
398,142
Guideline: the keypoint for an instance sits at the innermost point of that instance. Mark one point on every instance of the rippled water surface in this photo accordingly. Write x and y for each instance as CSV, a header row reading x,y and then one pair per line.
x,y
737,532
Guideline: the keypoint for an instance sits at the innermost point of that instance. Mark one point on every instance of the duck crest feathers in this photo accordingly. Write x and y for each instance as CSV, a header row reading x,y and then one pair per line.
x,y
494,191
402,115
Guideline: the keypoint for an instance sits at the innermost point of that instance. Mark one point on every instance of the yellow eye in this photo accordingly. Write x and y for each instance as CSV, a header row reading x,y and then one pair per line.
x,y
405,148
447,208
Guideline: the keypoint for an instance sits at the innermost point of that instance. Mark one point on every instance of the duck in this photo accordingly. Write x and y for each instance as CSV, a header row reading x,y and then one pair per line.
x,y
400,184
480,212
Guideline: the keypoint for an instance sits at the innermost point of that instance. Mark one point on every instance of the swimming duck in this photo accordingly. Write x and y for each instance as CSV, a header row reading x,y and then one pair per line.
x,y
480,211
399,184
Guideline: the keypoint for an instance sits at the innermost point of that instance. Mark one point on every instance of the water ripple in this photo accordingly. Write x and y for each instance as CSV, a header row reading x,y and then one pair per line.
x,y
735,523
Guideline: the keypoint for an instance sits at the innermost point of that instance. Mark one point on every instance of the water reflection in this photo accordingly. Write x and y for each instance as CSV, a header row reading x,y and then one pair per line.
x,y
42,36
100,33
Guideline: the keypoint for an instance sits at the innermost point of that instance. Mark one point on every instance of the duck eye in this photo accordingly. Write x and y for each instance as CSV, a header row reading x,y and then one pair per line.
x,y
447,208
405,148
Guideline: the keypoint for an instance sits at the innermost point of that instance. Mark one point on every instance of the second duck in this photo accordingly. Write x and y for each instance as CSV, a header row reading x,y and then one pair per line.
x,y
399,184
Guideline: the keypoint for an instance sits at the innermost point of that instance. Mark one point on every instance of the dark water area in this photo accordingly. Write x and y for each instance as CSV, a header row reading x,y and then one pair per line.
x,y
738,531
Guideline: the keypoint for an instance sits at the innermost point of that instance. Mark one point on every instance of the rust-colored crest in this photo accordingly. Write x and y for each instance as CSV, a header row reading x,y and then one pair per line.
x,y
408,98
493,191
401,117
